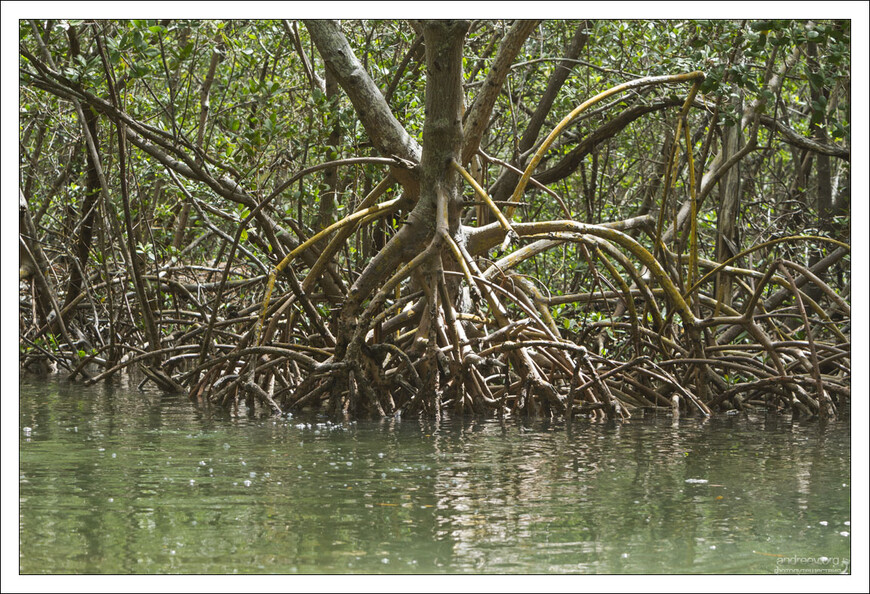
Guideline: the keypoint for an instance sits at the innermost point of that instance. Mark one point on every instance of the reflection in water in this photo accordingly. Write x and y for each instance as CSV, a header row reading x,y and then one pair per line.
x,y
114,480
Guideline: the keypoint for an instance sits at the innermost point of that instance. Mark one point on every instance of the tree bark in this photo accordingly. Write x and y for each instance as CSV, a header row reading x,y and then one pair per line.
x,y
727,240
442,139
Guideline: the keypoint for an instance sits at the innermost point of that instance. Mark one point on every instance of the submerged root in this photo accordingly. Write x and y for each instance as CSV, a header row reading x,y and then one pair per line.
x,y
438,344
486,342
462,362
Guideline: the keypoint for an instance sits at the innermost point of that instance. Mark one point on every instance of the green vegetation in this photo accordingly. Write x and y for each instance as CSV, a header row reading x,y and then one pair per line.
x,y
554,218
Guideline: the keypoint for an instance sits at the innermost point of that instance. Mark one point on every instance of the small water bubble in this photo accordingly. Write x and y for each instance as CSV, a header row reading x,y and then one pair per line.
x,y
267,474
247,483
385,560
252,474
712,547
171,552
27,430
844,533
381,454
114,455
202,462
823,523
104,449
847,523
226,446
111,499
625,555
244,463
349,463
192,481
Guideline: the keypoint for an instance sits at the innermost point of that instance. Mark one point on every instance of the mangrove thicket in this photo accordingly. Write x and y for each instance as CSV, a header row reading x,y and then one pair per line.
x,y
375,218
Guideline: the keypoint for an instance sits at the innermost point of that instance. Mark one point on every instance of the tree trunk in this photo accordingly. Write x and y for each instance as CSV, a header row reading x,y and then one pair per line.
x,y
823,190
442,138
727,238
326,208
88,210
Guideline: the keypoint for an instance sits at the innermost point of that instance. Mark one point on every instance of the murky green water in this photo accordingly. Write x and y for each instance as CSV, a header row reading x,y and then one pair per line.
x,y
113,480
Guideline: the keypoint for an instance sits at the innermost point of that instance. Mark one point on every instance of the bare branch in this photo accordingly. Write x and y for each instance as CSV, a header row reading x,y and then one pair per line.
x,y
477,117
385,131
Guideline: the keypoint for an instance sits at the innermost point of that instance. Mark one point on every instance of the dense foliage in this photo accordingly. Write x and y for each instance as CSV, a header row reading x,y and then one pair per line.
x,y
681,242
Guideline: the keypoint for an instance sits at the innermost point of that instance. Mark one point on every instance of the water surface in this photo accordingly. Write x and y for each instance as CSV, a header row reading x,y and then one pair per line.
x,y
116,480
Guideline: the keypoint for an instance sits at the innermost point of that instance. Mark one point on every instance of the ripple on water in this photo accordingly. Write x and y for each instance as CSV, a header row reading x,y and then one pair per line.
x,y
458,497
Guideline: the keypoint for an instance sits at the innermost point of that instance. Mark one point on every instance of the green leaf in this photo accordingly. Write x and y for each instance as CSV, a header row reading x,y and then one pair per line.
x,y
762,25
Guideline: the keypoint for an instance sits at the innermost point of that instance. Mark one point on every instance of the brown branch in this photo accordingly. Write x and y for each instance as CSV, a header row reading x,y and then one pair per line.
x,y
477,117
385,131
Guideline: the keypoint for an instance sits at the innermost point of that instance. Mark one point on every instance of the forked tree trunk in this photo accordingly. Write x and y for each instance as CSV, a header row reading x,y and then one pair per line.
x,y
442,138
442,143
